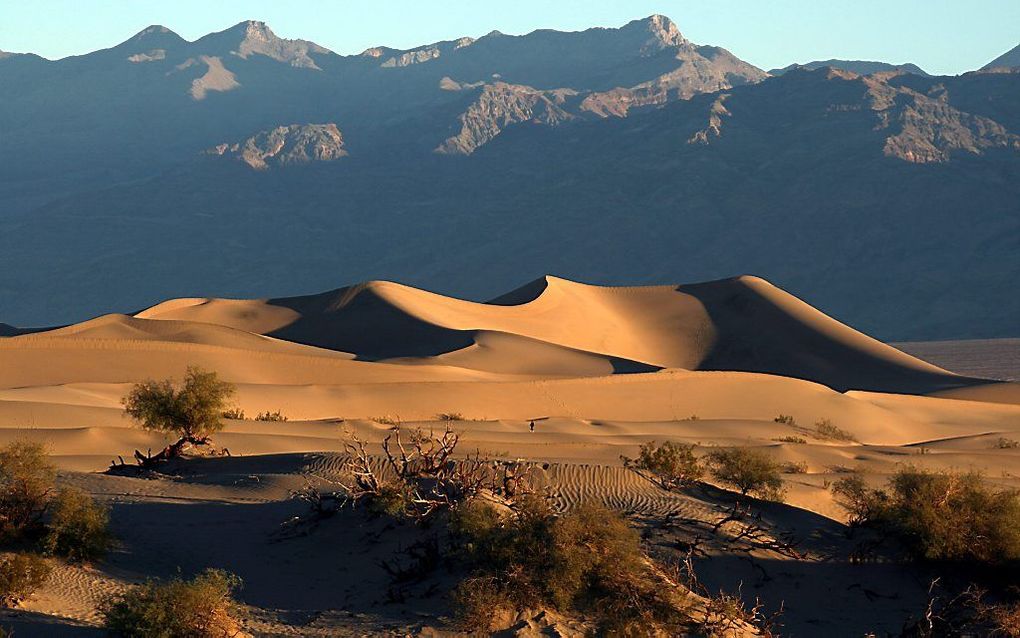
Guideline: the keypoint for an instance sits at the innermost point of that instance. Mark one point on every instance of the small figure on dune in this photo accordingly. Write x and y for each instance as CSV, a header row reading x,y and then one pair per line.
x,y
532,426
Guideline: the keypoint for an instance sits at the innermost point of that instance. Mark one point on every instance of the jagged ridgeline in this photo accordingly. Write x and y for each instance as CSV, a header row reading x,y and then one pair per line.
x,y
612,155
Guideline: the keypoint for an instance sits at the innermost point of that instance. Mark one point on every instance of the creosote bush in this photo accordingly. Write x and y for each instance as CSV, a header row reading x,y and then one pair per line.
x,y
202,607
749,471
943,516
588,561
26,480
237,414
670,464
450,416
20,575
785,419
79,527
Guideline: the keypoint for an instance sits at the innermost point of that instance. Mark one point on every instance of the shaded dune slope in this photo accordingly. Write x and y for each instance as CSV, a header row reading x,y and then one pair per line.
x,y
559,327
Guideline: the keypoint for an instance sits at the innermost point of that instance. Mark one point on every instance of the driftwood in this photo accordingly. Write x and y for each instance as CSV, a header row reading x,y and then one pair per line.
x,y
148,460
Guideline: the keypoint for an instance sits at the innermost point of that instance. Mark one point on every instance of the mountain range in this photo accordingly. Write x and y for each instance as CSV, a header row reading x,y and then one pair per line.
x,y
245,163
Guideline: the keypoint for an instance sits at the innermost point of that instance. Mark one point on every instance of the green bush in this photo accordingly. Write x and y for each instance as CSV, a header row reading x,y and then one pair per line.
x,y
785,419
791,439
20,576
26,479
191,411
750,471
588,561
450,416
202,607
944,515
672,464
79,527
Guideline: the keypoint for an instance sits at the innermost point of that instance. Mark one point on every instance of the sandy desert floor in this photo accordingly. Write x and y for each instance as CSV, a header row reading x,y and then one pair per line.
x,y
599,370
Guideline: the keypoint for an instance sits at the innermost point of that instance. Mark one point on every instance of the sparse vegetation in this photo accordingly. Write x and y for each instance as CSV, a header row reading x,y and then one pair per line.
x,y
21,575
671,464
276,417
191,411
450,416
1004,443
587,562
938,515
26,480
795,467
237,414
825,429
202,607
791,439
785,419
750,471
78,528
387,420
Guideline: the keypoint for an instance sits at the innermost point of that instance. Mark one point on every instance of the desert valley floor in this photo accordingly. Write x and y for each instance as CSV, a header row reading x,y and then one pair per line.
x,y
598,370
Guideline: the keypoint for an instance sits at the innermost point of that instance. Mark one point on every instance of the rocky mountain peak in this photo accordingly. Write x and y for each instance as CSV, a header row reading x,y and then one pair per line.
x,y
659,32
283,145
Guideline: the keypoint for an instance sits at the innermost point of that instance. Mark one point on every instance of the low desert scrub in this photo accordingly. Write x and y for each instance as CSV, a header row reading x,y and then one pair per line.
x,y
78,528
795,467
237,414
588,563
1007,444
21,575
939,516
785,419
418,477
26,481
202,607
790,439
671,465
825,430
191,411
749,471
274,417
450,416
387,420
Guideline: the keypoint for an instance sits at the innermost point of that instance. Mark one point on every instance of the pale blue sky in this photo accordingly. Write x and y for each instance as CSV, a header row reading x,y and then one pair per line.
x,y
942,36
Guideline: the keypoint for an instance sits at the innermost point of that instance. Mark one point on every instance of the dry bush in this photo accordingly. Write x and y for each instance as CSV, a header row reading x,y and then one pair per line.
x,y
587,562
795,467
237,414
191,411
791,439
274,417
671,465
825,429
944,515
21,575
450,416
1007,444
78,528
750,471
785,419
387,420
202,607
419,477
26,480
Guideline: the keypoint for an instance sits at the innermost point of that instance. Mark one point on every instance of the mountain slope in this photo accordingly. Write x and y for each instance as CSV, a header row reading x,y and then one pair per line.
x,y
1009,59
861,67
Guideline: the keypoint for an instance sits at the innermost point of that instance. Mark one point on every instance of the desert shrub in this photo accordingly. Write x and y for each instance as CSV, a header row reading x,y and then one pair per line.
x,y
26,479
791,439
1007,444
450,416
236,414
825,429
588,561
78,528
276,417
21,575
202,607
785,419
945,515
750,471
795,467
191,411
672,464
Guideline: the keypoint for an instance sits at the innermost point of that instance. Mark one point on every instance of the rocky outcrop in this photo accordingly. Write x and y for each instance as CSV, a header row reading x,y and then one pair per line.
x,y
286,145
255,38
500,105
